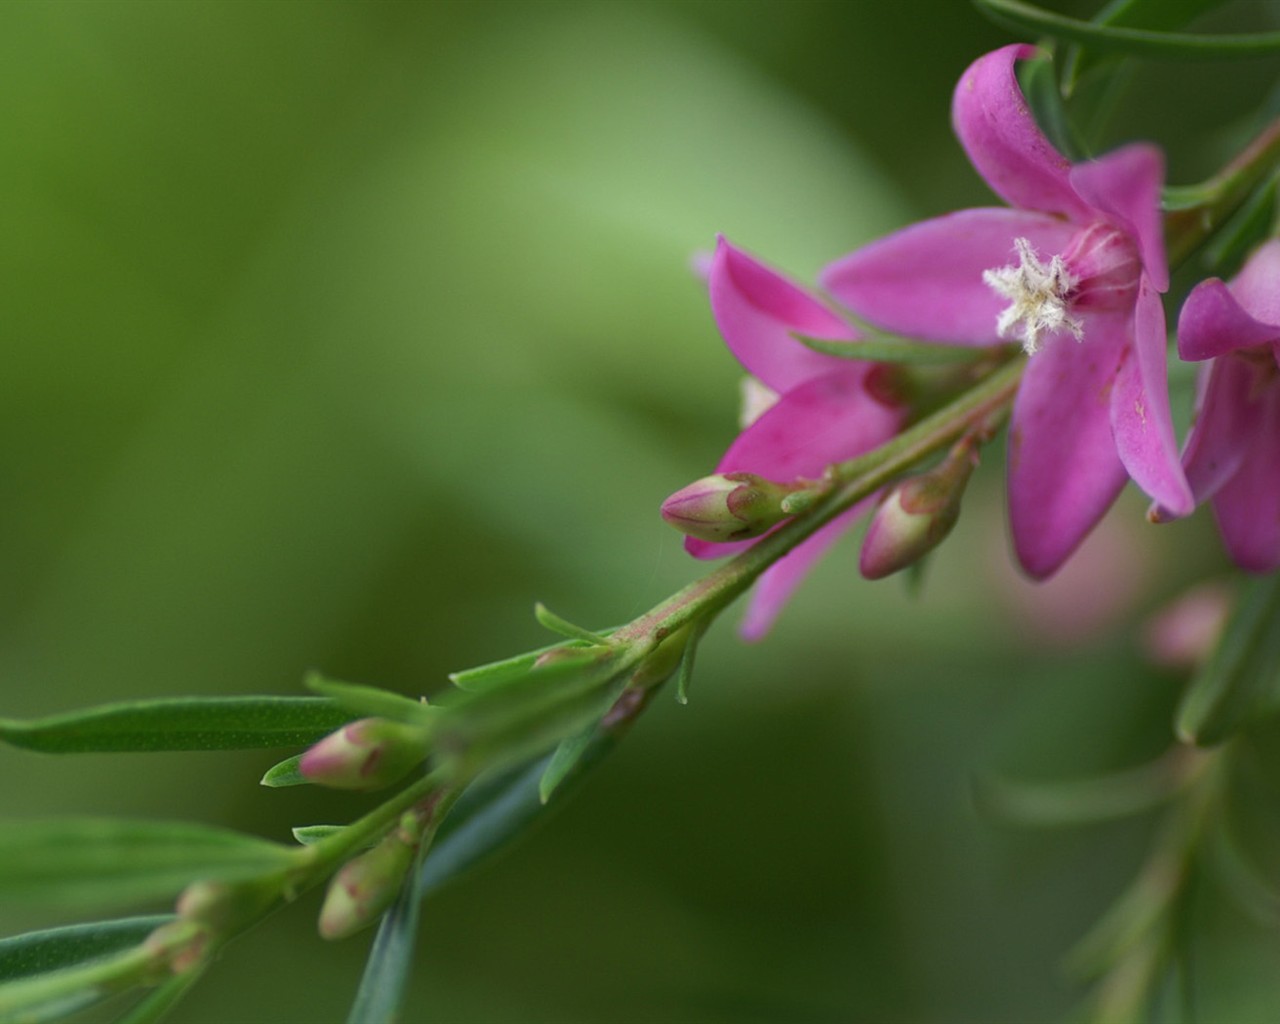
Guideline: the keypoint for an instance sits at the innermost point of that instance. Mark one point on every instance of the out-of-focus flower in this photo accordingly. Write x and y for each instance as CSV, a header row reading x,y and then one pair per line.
x,y
1073,271
1182,634
827,410
1232,455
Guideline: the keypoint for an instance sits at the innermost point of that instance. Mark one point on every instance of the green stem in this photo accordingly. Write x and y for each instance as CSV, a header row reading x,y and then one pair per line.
x,y
988,402
1202,209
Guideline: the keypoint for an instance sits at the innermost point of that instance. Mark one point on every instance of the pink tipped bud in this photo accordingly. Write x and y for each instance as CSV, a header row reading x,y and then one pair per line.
x,y
367,754
916,516
365,887
726,507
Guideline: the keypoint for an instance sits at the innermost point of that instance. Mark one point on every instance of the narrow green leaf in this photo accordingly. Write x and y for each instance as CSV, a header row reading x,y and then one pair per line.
x,y
1040,86
57,948
498,673
1246,229
284,773
187,723
1241,681
160,1000
85,861
894,351
1024,18
1160,15
308,835
684,673
1081,801
563,758
382,985
498,809
59,1008
370,701
550,620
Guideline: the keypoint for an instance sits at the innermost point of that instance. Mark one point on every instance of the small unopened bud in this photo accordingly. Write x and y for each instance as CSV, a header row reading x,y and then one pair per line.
x,y
916,516
364,887
224,905
727,507
175,948
367,754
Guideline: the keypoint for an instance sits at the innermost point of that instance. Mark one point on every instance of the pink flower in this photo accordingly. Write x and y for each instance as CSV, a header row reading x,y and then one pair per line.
x,y
1232,456
826,410
1073,271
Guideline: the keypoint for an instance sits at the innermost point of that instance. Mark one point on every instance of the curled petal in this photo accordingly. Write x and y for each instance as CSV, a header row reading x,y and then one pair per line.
x,y
1257,286
1213,322
825,420
1004,143
1248,505
757,310
1227,413
1140,410
1125,185
926,280
780,580
1064,472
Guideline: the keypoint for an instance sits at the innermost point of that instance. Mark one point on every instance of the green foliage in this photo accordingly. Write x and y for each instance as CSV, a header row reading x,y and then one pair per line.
x,y
1241,681
285,773
57,948
894,350
85,862
180,723
1117,38
370,701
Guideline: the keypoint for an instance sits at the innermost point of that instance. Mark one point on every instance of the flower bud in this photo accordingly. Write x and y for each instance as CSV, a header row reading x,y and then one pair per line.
x,y
916,516
364,887
224,905
726,507
367,754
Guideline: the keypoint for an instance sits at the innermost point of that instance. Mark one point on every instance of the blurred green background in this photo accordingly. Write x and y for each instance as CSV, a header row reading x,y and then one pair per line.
x,y
338,334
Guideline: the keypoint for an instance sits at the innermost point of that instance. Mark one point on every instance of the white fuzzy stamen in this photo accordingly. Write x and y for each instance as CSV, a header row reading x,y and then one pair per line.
x,y
1037,295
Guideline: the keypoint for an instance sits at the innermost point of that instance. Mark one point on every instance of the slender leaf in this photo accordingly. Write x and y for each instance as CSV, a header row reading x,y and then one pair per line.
x,y
1241,681
372,701
563,758
894,351
498,673
56,948
1025,18
386,972
160,1000
59,1008
284,773
1246,229
1161,15
1081,801
310,834
188,723
85,861
1040,86
550,620
684,673
497,810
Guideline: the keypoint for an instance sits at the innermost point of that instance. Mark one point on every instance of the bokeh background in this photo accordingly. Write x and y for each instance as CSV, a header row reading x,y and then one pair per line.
x,y
337,334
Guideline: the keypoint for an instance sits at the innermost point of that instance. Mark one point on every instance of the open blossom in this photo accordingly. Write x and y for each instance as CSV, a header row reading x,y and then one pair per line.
x,y
826,410
1232,456
1073,271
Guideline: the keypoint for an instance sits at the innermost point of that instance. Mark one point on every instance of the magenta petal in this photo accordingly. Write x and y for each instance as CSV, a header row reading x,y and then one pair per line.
x,y
926,280
1248,506
1257,286
1003,141
1125,185
825,420
780,580
1226,416
757,310
1213,322
1064,472
1140,415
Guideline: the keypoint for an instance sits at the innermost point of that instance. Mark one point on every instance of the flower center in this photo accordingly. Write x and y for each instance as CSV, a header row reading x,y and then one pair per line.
x,y
1099,271
1038,297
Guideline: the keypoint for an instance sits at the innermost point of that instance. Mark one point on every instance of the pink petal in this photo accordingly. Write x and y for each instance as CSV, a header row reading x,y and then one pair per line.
x,y
825,420
1140,415
1248,506
1064,472
1226,416
757,310
780,580
1125,186
926,280
1257,286
1003,141
1213,322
